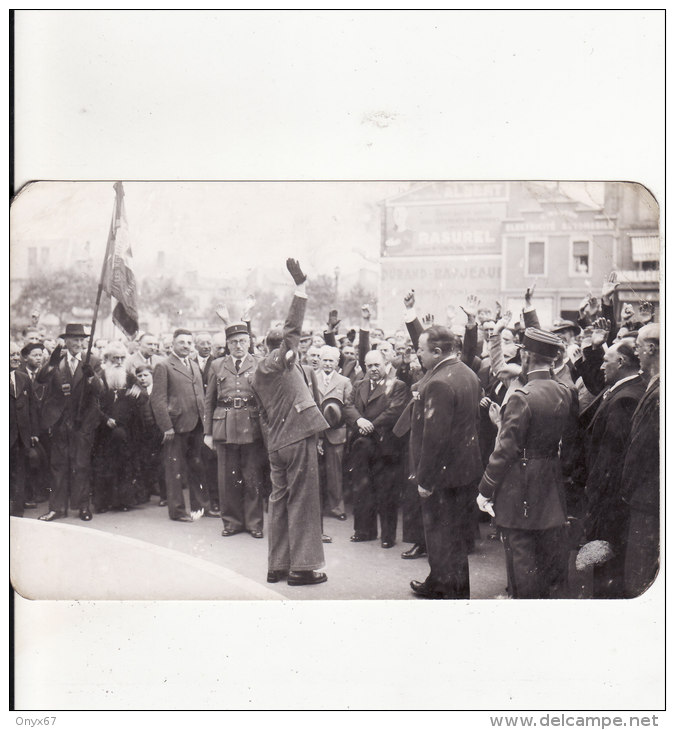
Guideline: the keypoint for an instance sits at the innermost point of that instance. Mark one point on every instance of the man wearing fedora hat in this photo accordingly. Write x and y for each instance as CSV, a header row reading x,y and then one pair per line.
x,y
334,391
70,415
232,427
522,485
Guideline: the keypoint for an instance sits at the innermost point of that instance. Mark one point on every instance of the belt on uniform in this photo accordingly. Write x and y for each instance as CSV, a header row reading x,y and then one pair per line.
x,y
237,402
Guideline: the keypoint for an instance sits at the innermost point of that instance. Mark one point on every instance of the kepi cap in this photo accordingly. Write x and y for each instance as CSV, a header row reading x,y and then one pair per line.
x,y
541,342
236,328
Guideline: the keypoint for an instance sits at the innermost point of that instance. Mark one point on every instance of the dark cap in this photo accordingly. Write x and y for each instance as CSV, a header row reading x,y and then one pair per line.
x,y
560,325
181,331
74,330
236,328
541,342
331,409
306,335
26,351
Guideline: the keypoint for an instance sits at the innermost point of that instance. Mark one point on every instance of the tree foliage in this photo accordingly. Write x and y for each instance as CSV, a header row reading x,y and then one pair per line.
x,y
58,293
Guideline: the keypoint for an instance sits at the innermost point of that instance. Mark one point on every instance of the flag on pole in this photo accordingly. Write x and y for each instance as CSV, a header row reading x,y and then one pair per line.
x,y
119,280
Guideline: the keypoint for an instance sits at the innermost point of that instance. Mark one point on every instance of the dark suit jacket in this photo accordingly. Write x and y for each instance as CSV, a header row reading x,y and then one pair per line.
x,y
284,390
60,408
23,422
206,371
640,479
536,418
444,428
606,436
177,396
382,407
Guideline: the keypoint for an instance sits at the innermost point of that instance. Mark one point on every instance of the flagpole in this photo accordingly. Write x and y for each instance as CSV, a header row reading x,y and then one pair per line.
x,y
119,191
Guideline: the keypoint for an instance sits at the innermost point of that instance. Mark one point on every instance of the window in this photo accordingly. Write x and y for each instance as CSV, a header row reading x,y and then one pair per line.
x,y
44,254
32,257
581,258
536,258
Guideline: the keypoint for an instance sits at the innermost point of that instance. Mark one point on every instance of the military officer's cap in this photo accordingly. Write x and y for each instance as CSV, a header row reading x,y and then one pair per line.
x,y
541,342
237,328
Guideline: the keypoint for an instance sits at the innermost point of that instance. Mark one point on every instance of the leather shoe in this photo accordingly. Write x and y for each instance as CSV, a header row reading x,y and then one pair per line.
x,y
361,538
228,532
182,518
423,590
256,533
306,577
327,539
30,505
416,551
85,514
339,516
388,543
51,515
274,576
212,513
162,503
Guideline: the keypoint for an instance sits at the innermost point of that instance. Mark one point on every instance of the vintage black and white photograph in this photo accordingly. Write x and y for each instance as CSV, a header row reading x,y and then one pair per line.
x,y
335,346
384,390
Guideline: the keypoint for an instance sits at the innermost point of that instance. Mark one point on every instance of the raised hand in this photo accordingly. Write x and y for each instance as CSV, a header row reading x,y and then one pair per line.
x,y
498,309
609,286
646,312
55,357
224,314
503,322
295,271
529,293
428,320
333,321
600,332
409,299
627,312
471,308
365,312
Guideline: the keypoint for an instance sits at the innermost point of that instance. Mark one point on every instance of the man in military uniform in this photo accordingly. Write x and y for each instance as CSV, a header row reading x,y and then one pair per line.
x,y
232,426
522,486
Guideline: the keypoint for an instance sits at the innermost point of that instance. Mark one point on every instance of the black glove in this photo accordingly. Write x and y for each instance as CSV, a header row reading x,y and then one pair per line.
x,y
87,370
333,320
55,357
295,271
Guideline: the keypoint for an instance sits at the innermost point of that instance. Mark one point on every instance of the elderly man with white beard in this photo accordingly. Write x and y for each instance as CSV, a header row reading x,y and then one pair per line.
x,y
111,458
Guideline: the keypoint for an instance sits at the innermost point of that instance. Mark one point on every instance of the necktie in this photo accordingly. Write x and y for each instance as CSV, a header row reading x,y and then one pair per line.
x,y
73,365
237,365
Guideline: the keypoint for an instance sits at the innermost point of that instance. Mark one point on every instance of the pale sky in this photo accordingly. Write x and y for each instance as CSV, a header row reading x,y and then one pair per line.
x,y
216,227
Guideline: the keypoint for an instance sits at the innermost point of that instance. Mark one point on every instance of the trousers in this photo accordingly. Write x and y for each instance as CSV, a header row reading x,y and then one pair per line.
x,y
182,454
294,529
240,485
70,453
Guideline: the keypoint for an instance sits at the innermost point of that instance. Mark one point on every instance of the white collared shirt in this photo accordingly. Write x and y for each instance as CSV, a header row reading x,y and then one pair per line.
x,y
618,383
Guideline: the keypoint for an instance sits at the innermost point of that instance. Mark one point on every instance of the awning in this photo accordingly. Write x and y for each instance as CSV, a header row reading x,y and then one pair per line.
x,y
645,248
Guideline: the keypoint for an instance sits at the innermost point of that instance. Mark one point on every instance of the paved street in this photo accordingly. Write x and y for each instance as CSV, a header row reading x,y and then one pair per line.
x,y
355,570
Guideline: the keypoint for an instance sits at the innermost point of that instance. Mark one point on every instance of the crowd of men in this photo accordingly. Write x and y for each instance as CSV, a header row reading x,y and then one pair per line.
x,y
550,434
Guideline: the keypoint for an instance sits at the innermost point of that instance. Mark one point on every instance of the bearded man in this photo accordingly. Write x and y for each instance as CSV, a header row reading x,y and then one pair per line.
x,y
112,457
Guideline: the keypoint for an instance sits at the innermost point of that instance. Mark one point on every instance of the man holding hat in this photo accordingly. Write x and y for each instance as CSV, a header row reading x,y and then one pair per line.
x,y
293,422
522,486
232,427
334,391
70,414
